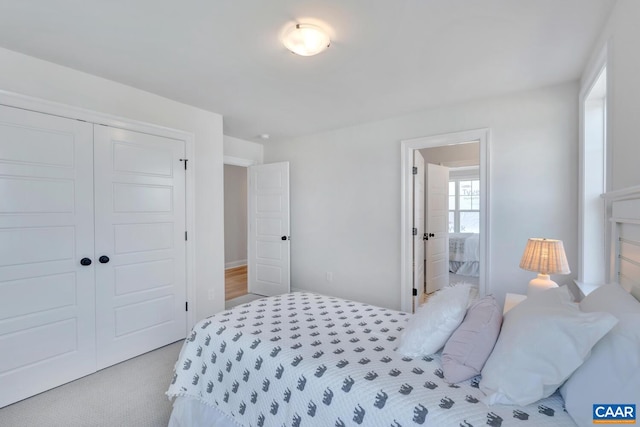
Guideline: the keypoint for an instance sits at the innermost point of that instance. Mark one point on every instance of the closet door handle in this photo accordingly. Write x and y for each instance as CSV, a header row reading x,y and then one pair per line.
x,y
103,259
85,261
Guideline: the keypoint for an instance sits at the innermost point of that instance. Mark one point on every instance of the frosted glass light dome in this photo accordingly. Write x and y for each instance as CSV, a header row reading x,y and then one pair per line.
x,y
306,39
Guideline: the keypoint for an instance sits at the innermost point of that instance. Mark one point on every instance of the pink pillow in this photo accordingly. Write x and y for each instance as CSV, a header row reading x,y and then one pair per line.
x,y
471,344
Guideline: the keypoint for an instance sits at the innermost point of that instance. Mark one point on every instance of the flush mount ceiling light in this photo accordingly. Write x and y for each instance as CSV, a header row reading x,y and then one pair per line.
x,y
306,39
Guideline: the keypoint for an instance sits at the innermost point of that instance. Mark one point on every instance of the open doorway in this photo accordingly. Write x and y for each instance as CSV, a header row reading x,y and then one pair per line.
x,y
235,231
462,185
459,214
256,210
235,235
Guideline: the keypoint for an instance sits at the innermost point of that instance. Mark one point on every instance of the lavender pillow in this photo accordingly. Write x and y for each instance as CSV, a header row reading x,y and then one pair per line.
x,y
470,345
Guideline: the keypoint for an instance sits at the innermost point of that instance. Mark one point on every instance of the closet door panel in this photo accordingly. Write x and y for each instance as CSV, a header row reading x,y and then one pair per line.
x,y
140,226
47,319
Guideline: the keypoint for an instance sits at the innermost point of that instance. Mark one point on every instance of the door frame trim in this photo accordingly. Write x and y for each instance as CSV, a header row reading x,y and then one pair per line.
x,y
38,105
238,161
406,162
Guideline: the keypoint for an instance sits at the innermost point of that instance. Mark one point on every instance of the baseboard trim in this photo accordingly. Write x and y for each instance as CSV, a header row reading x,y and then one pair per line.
x,y
234,264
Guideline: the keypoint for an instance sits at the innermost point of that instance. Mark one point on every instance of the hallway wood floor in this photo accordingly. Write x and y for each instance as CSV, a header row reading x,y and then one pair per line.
x,y
235,282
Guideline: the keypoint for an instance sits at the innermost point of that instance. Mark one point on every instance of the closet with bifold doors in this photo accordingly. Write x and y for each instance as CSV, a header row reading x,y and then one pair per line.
x,y
92,248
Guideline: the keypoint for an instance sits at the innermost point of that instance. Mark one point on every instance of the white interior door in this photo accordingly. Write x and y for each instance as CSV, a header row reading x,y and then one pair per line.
x,y
140,228
268,241
437,270
46,227
418,228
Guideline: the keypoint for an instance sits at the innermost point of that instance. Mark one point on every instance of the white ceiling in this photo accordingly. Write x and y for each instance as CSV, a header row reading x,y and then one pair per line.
x,y
387,57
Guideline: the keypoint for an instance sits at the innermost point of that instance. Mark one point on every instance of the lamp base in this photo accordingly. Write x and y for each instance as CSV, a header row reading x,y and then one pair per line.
x,y
540,283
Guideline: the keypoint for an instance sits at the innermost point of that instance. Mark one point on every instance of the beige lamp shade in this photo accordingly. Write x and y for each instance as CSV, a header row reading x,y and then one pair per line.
x,y
544,256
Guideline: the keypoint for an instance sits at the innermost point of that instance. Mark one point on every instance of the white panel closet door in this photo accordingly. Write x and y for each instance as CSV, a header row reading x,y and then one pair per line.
x,y
47,297
140,227
268,245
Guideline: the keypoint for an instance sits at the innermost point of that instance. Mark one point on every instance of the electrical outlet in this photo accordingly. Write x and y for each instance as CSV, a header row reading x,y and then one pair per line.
x,y
329,277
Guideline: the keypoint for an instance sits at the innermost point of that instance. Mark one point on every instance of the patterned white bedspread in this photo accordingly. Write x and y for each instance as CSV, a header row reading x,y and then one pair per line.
x,y
303,359
464,247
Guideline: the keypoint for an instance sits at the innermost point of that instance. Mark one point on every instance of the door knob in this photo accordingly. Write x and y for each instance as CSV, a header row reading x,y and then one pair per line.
x,y
103,259
85,261
284,238
432,235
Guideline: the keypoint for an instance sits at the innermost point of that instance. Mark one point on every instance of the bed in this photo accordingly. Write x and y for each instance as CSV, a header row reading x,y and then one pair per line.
x,y
307,359
304,359
464,254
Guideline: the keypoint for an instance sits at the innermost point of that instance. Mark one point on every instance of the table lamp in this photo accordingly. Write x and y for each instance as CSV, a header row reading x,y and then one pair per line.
x,y
544,256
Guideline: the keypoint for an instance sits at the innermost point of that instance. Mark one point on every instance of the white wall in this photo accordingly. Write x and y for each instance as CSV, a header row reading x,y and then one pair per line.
x,y
30,76
345,192
240,149
622,32
235,216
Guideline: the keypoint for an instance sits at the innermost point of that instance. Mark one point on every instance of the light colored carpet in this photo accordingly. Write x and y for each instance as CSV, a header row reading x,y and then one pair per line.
x,y
241,300
128,394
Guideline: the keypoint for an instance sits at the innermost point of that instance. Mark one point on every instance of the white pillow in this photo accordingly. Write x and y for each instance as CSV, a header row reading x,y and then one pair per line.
x,y
433,323
610,375
611,298
543,340
614,364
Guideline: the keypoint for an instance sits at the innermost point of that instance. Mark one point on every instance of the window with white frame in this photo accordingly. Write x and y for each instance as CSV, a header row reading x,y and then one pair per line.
x,y
594,165
464,205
